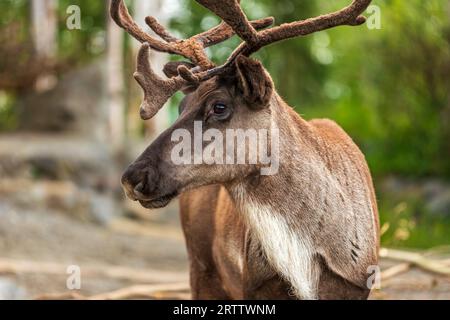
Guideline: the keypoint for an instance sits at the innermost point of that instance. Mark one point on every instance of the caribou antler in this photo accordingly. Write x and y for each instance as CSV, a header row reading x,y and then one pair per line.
x,y
192,48
231,12
157,90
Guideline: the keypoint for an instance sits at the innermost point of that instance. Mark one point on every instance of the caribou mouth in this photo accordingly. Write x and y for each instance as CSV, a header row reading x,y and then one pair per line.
x,y
159,202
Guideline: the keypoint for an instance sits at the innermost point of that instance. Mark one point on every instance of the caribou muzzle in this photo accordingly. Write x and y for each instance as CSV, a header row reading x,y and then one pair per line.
x,y
142,183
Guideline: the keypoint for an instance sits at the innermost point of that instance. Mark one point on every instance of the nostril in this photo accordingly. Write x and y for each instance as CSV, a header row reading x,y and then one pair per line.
x,y
128,189
139,190
127,185
127,180
124,180
138,183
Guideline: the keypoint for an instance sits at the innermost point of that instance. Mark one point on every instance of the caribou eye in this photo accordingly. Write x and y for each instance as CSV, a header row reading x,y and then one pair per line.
x,y
219,108
219,111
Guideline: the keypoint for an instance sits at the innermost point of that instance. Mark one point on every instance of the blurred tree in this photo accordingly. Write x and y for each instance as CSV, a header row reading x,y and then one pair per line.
x,y
115,83
43,31
78,46
141,9
19,63
20,66
44,27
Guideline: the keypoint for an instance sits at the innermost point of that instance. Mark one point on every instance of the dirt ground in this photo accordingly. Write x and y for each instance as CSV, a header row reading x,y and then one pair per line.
x,y
153,247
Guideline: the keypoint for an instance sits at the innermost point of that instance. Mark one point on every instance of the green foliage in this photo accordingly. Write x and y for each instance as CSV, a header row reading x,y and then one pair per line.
x,y
14,11
74,45
388,88
406,223
7,112
18,63
78,46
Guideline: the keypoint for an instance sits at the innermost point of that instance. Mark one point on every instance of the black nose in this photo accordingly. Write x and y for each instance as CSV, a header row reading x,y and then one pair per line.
x,y
139,181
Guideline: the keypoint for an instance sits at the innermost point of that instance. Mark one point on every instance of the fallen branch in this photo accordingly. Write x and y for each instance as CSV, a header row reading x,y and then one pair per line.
x,y
61,296
416,259
8,266
395,270
155,291
127,226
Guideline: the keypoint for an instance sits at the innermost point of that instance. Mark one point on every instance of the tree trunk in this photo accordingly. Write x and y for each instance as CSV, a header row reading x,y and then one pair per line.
x,y
44,30
115,84
143,8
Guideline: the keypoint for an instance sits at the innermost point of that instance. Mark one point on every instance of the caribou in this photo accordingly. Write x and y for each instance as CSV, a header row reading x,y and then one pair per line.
x,y
308,231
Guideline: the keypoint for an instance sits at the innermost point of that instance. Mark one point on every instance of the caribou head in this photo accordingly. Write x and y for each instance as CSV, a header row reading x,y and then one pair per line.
x,y
237,95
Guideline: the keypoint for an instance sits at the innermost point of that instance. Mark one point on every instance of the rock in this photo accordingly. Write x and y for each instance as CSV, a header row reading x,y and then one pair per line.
x,y
429,196
76,105
439,205
57,157
62,197
9,290
103,208
433,188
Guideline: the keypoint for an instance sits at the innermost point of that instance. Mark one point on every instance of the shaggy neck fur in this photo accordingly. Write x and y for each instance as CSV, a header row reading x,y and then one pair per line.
x,y
286,249
271,216
320,207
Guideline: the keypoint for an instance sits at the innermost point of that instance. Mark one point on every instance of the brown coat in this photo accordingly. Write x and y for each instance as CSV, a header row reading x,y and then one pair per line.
x,y
227,262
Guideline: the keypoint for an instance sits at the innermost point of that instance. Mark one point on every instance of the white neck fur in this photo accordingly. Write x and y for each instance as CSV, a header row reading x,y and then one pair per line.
x,y
287,250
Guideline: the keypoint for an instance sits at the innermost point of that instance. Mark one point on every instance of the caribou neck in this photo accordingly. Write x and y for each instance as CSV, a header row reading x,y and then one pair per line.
x,y
279,209
300,165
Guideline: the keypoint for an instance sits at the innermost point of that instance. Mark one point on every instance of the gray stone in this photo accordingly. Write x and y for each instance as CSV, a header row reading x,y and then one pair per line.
x,y
103,208
9,290
439,205
76,105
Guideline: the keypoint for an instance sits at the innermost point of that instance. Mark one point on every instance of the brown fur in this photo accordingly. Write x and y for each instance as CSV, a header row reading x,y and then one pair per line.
x,y
309,231
214,276
212,224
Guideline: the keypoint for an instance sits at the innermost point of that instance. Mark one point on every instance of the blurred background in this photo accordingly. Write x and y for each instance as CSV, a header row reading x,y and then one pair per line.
x,y
69,125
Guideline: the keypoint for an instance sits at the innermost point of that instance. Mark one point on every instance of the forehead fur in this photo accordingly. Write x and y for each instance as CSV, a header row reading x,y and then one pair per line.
x,y
226,80
206,87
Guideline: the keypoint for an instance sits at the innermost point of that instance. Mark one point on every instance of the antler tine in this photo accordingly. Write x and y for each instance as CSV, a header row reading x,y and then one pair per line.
x,y
231,12
157,91
211,37
159,29
224,31
350,15
192,48
121,16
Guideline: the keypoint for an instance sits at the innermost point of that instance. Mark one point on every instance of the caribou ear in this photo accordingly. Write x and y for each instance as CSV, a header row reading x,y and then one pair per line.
x,y
171,70
254,82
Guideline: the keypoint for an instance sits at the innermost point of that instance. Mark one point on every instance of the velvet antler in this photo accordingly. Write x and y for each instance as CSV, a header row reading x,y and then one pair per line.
x,y
156,90
231,12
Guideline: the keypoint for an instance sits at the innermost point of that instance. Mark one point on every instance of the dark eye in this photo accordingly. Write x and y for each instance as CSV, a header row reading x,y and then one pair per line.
x,y
219,108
